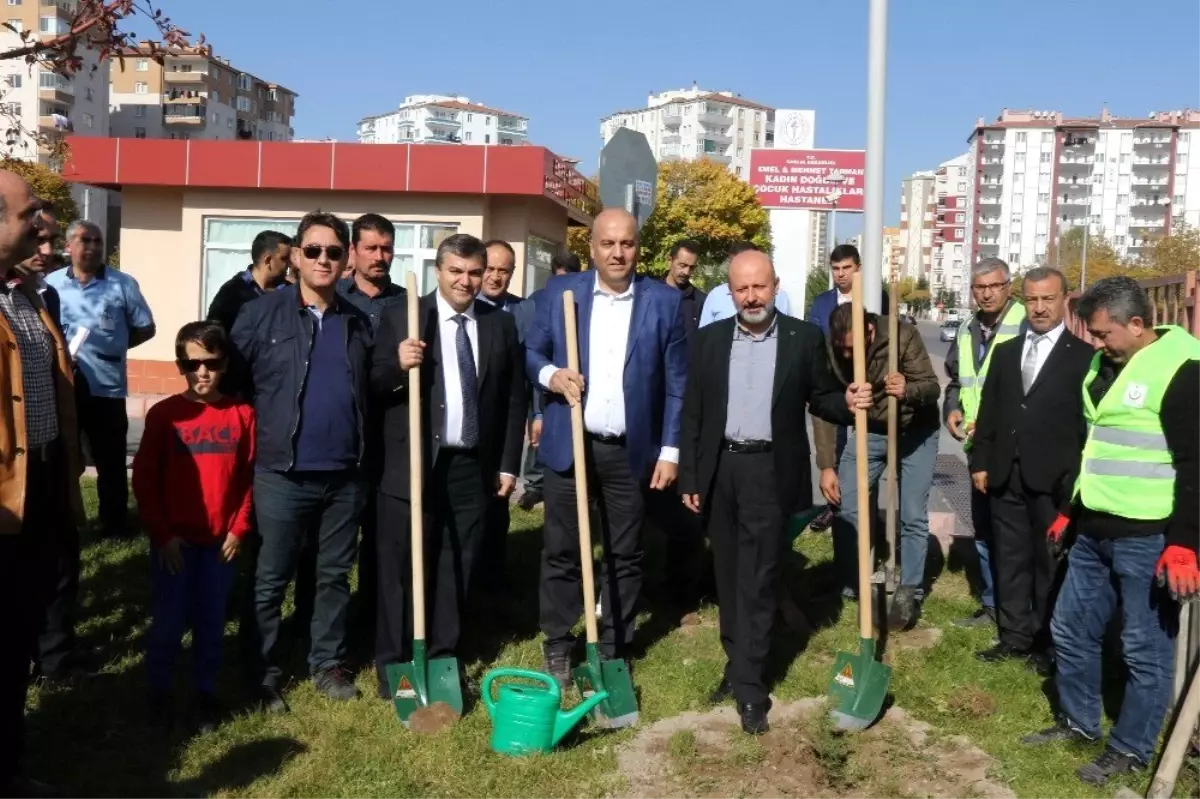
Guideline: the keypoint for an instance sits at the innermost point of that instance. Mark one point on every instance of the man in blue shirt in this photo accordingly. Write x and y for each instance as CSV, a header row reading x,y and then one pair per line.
x,y
104,315
307,355
719,304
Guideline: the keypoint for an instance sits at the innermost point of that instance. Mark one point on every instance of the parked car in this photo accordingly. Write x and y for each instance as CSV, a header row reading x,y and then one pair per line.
x,y
949,331
952,315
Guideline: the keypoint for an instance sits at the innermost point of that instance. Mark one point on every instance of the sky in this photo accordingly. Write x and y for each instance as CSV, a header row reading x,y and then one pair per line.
x,y
567,65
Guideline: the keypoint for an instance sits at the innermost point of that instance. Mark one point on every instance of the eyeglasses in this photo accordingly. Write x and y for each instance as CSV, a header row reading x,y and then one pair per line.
x,y
192,365
313,251
983,288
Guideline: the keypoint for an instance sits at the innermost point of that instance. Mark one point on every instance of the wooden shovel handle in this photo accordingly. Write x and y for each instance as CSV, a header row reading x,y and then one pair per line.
x,y
581,486
416,467
893,425
865,560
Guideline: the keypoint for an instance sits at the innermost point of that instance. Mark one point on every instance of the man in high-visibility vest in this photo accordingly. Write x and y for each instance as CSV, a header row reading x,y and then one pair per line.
x,y
1138,525
997,319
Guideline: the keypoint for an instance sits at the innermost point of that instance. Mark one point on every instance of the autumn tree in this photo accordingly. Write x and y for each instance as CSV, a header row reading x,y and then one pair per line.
x,y
1173,254
1103,260
47,185
816,283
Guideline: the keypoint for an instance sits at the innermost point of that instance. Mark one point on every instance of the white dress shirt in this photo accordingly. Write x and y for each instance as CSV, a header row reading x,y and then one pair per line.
x,y
1047,343
608,341
447,338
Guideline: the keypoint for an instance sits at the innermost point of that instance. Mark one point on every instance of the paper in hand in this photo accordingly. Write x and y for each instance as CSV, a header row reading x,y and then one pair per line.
x,y
76,343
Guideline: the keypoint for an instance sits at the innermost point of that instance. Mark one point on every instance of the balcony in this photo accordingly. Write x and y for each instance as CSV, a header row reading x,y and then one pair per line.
x,y
443,122
718,157
992,163
55,87
671,116
512,125
1147,224
1152,140
190,115
192,78
989,200
991,221
1074,180
184,98
1081,200
1160,202
1148,182
717,135
715,114
991,183
988,241
1075,161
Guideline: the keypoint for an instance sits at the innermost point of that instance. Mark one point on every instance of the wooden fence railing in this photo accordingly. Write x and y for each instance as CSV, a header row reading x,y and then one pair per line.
x,y
1173,299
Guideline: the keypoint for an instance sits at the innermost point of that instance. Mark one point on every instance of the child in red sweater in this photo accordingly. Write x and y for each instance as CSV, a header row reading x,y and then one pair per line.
x,y
192,478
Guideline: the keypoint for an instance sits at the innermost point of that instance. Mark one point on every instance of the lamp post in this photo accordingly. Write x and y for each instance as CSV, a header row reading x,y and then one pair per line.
x,y
1075,142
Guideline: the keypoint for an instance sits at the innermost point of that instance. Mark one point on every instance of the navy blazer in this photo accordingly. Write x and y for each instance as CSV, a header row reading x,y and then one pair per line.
x,y
655,368
825,303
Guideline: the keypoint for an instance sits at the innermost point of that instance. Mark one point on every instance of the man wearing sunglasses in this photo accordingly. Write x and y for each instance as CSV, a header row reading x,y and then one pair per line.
x,y
104,315
306,354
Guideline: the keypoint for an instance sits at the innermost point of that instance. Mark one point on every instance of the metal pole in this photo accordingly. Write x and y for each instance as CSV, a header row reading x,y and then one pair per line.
x,y
630,199
832,241
876,106
1083,266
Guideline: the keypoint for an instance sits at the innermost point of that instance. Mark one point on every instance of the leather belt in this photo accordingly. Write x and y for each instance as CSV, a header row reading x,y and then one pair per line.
x,y
750,447
614,441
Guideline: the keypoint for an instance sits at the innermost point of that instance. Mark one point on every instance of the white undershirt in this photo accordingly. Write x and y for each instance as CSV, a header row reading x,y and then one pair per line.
x,y
1044,346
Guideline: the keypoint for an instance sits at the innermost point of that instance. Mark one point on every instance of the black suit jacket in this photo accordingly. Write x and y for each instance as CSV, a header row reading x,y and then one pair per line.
x,y
1044,428
802,378
502,398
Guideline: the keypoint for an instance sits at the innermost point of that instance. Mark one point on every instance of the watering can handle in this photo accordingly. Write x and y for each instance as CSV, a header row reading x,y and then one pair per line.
x,y
485,690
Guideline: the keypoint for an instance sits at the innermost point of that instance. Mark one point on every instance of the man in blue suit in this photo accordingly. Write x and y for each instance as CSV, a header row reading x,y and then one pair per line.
x,y
633,358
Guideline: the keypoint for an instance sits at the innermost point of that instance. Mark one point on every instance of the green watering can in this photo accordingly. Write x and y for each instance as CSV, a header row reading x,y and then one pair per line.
x,y
529,718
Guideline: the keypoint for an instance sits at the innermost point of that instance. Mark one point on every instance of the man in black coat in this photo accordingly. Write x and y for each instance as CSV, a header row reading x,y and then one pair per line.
x,y
473,407
270,253
1028,442
744,460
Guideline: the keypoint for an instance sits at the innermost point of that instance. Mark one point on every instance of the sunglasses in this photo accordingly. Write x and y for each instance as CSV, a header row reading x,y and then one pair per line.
x,y
192,365
313,251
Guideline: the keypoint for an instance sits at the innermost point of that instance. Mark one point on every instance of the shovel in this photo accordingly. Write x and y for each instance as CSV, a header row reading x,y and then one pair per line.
x,y
595,675
860,683
893,436
422,682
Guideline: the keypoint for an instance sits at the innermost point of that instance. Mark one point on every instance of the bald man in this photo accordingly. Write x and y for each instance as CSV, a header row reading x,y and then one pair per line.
x,y
633,362
744,458
39,468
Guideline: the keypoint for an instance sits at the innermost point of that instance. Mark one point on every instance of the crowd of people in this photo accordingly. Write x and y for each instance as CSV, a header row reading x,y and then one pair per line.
x,y
292,441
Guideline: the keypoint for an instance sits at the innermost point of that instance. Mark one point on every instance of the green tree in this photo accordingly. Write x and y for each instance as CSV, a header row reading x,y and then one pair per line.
x,y
817,282
703,201
1103,260
1173,254
47,185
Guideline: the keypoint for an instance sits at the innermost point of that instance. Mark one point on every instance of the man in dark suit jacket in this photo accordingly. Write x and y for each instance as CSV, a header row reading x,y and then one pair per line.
x,y
473,418
744,461
633,359
1028,442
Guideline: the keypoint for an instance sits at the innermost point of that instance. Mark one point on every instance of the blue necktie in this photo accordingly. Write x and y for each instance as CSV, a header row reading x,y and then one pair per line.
x,y
470,384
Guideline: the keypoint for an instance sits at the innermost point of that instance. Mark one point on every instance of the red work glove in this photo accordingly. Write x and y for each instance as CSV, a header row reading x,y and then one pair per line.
x,y
1056,533
1177,568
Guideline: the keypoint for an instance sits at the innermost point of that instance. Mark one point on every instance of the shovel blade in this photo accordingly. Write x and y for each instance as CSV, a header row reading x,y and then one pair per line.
x,y
620,709
420,684
859,688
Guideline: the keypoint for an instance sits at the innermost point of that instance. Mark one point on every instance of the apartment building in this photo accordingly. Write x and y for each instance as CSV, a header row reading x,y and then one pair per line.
x,y
194,94
1033,175
950,270
687,124
819,244
443,119
36,102
918,216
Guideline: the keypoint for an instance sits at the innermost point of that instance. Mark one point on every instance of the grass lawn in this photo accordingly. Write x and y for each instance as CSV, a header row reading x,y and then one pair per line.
x,y
93,739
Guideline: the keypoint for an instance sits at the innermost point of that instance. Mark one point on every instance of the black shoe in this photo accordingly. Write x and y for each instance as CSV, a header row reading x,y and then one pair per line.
x,y
383,689
1061,732
905,611
158,710
822,522
271,700
754,717
1110,764
529,500
206,713
1001,652
28,787
723,692
558,666
984,617
1041,662
336,683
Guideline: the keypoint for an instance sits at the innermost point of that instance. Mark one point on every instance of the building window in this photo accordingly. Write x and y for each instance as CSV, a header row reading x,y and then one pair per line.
x,y
487,121
1045,158
1014,238
142,65
89,94
53,25
1014,258
139,110
13,81
1020,137
273,94
487,138
1047,137
962,186
243,103
958,233
139,133
89,121
538,254
467,136
17,25
243,82
139,88
14,2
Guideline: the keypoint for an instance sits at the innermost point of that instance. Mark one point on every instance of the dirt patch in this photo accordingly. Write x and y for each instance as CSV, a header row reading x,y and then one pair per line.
x,y
706,755
434,718
693,623
970,700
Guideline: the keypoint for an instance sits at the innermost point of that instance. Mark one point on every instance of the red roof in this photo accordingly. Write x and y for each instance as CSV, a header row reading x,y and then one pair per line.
x,y
331,166
476,107
724,98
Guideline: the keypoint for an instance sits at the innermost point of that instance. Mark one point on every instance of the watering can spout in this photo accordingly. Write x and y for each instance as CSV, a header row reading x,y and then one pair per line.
x,y
567,719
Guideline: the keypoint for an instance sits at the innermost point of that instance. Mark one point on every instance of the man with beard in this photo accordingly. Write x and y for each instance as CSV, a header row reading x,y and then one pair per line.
x,y
681,261
269,255
744,461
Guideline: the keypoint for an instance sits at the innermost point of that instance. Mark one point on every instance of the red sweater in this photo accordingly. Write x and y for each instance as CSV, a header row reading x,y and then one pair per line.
x,y
193,473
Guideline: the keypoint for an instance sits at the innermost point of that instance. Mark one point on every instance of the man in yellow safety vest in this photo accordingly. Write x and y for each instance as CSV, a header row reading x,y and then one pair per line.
x,y
997,319
1138,518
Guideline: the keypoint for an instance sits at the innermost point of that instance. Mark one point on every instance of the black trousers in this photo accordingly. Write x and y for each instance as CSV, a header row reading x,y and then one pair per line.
x,y
368,566
688,565
622,510
747,527
56,641
27,573
494,550
104,425
1022,562
456,503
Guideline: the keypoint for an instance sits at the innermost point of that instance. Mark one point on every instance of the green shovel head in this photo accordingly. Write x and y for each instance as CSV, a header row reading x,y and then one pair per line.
x,y
858,688
620,709
422,682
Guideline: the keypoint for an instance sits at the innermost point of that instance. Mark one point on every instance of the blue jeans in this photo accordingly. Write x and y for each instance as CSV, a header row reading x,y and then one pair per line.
x,y
918,456
981,521
290,507
1100,573
196,595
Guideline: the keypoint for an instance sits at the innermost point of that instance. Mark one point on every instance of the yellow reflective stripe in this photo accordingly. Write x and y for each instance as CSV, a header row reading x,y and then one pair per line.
x,y
1129,438
1104,467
